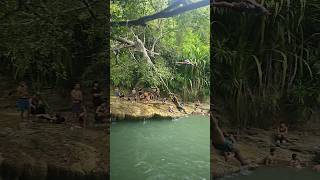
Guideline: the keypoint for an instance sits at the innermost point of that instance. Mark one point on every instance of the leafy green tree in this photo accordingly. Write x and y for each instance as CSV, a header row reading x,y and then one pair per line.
x,y
183,37
53,42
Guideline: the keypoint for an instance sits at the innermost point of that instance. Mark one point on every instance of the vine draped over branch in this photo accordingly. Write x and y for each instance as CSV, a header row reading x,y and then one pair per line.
x,y
249,6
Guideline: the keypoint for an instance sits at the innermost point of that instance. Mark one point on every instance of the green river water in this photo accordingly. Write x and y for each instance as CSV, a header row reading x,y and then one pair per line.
x,y
275,173
160,149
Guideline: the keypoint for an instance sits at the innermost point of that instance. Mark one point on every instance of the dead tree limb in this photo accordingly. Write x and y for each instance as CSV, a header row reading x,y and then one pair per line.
x,y
133,44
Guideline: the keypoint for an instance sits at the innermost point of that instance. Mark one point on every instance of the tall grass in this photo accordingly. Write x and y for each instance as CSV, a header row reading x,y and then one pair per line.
x,y
264,68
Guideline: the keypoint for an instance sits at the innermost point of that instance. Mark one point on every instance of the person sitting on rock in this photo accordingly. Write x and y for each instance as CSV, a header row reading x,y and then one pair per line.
x,y
121,95
146,97
295,162
316,168
164,100
36,105
157,93
270,159
170,109
140,94
83,116
197,105
117,92
282,132
224,144
134,94
151,95
101,114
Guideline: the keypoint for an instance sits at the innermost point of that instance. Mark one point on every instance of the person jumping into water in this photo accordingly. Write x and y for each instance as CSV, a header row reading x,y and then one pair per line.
x,y
223,144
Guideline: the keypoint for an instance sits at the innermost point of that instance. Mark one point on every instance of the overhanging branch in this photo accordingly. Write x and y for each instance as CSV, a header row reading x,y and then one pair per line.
x,y
249,6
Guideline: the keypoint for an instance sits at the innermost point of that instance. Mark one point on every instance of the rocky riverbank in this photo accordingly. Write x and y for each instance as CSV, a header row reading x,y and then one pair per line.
x,y
254,144
30,150
124,109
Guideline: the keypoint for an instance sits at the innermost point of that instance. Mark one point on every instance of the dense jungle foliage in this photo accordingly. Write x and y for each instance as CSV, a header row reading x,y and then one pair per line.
x,y
266,69
178,38
53,43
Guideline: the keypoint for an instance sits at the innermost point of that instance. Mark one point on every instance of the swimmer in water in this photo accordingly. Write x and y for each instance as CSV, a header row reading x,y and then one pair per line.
x,y
295,162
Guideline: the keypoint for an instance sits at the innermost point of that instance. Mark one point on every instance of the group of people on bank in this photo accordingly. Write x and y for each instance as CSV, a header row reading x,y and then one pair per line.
x,y
34,105
147,96
139,94
225,143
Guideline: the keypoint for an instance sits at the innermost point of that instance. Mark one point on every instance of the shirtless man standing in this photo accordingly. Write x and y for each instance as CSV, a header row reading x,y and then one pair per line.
x,y
23,100
76,95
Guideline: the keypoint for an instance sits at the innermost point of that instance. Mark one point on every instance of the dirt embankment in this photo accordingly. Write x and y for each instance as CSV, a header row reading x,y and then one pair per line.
x,y
34,150
47,151
255,144
124,109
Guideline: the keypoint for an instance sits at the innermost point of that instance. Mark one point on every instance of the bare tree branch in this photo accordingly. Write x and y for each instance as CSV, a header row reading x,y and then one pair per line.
x,y
162,14
249,6
135,44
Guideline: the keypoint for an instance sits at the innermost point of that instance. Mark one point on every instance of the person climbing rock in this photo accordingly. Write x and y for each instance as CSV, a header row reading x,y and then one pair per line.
x,y
23,100
223,144
176,102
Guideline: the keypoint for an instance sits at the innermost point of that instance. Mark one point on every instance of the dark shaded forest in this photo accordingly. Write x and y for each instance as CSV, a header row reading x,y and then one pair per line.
x,y
53,43
266,69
